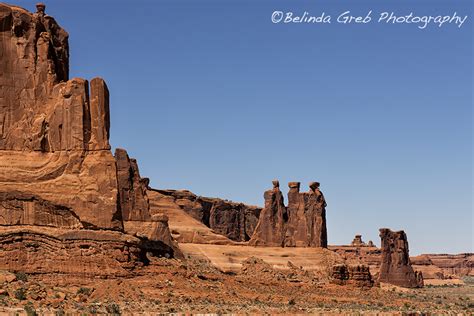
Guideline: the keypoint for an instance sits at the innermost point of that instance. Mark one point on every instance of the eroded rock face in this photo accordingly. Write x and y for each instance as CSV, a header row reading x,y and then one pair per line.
x,y
444,266
134,205
53,136
302,224
25,209
395,265
236,221
357,275
38,250
133,200
56,167
35,54
307,217
271,227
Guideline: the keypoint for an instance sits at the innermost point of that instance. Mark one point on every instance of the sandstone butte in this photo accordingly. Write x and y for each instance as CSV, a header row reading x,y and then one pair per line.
x,y
70,206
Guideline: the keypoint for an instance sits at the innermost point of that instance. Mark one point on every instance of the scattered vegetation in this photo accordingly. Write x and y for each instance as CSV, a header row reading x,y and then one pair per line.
x,y
113,309
20,294
84,291
60,312
21,276
30,309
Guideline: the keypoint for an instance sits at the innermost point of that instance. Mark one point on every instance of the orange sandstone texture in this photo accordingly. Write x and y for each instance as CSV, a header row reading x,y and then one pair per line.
x,y
61,187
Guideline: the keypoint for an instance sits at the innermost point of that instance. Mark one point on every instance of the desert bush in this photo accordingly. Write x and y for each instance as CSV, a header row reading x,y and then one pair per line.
x,y
21,276
59,312
93,309
30,309
84,290
113,309
20,294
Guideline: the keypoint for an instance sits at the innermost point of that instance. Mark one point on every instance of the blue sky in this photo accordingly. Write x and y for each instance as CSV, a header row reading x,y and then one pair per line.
x,y
211,96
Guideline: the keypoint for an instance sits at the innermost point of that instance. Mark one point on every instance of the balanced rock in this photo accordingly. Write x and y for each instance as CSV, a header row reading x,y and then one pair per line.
x,y
395,265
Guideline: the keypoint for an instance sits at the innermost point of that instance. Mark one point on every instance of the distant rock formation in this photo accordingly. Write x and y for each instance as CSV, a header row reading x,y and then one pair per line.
x,y
444,266
236,221
358,242
395,265
357,275
302,224
432,266
57,169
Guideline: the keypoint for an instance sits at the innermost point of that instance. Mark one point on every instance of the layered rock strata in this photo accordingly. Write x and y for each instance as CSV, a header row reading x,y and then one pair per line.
x,y
444,266
56,167
357,275
53,132
236,221
85,253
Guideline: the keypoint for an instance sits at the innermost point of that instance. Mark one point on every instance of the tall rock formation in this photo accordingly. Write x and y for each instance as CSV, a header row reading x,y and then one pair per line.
x,y
53,137
56,167
133,200
271,226
395,264
307,217
302,224
134,205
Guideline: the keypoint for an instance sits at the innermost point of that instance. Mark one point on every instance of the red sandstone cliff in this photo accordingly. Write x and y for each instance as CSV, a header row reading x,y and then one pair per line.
x,y
58,177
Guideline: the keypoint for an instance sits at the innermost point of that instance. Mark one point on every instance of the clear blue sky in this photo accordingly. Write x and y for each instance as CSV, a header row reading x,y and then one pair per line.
x,y
212,97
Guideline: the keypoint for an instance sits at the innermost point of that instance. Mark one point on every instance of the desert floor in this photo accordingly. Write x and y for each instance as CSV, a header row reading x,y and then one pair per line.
x,y
195,286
